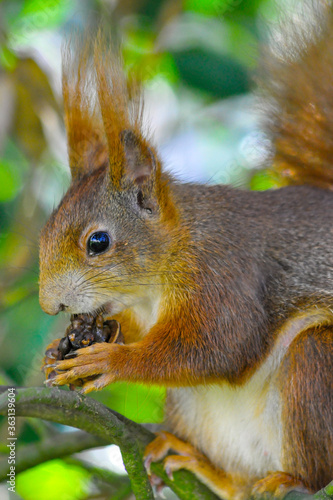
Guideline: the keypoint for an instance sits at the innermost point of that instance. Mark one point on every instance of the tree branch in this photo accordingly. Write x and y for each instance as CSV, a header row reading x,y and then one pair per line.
x,y
71,408
324,494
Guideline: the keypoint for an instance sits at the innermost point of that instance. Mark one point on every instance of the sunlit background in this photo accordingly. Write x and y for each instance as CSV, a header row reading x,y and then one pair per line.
x,y
197,59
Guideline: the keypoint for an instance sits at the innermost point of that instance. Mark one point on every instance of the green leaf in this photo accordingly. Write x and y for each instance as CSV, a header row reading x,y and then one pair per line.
x,y
9,182
53,480
245,8
25,333
138,402
262,181
7,58
45,13
218,74
26,18
207,7
219,7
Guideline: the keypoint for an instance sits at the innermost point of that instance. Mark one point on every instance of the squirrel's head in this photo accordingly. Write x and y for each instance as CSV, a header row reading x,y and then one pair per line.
x,y
102,248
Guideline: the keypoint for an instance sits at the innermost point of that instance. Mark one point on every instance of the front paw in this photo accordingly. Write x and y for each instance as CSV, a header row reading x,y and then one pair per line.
x,y
90,367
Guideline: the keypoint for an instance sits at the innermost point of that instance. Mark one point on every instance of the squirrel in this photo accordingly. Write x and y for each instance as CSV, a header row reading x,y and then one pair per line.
x,y
224,295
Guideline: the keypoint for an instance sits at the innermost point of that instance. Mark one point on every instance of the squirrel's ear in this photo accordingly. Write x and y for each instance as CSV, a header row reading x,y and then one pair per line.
x,y
140,162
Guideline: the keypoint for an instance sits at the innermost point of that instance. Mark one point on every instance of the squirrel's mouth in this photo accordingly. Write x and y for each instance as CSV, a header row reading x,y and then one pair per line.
x,y
106,309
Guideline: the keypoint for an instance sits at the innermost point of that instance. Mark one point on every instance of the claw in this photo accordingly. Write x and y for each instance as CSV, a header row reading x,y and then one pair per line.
x,y
51,353
157,484
147,463
71,355
168,472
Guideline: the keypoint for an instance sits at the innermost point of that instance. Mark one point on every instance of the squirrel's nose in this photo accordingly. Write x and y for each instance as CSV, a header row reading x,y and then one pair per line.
x,y
51,307
55,292
56,309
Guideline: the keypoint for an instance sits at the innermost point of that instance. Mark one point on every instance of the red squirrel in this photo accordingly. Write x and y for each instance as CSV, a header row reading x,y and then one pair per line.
x,y
224,295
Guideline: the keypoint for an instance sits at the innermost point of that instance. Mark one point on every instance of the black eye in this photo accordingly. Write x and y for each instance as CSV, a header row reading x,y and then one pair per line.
x,y
98,243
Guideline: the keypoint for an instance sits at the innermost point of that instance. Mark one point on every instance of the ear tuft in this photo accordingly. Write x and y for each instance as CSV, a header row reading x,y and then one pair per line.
x,y
87,142
140,162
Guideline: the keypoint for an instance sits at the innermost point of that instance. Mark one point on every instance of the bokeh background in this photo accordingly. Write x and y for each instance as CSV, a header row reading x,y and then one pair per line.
x,y
197,59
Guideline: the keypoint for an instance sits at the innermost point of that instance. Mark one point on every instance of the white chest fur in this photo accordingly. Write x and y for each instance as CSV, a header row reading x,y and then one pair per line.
x,y
239,428
146,311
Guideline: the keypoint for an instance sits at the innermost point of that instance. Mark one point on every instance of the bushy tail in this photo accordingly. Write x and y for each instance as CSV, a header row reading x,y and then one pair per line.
x,y
298,97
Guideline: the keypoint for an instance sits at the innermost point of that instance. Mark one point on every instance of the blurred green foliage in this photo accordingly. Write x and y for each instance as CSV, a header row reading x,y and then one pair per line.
x,y
55,479
201,53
